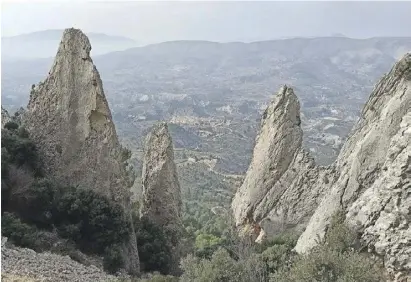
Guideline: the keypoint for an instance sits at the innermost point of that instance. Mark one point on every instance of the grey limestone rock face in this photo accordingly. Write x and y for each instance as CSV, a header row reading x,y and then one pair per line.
x,y
161,188
370,180
69,119
283,185
374,182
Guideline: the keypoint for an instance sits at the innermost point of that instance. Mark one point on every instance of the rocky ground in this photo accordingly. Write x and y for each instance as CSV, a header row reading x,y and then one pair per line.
x,y
20,264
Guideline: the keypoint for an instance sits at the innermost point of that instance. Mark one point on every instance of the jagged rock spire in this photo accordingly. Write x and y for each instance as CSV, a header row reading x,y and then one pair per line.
x,y
276,171
161,188
68,116
69,119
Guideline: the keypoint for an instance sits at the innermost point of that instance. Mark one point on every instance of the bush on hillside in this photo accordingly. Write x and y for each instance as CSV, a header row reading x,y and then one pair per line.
x,y
221,267
335,259
18,232
21,151
113,260
11,125
207,244
153,247
94,223
339,237
326,265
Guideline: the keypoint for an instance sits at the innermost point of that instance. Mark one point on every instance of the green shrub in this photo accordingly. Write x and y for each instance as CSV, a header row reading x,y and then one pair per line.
x,y
276,257
221,267
113,260
153,247
94,221
16,231
326,265
334,259
21,151
286,239
24,235
83,216
339,237
11,125
206,245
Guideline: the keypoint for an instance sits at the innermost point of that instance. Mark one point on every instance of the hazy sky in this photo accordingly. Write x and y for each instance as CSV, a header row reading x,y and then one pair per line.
x,y
219,21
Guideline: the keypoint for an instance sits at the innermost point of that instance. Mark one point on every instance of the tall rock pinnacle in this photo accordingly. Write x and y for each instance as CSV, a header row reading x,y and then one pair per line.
x,y
69,119
161,188
274,196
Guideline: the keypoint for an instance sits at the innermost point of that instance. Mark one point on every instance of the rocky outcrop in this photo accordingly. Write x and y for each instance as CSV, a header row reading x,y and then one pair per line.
x,y
373,186
161,203
69,119
382,213
370,180
283,185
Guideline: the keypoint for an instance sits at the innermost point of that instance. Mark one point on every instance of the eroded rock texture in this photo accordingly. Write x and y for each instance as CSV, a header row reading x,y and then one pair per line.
x,y
69,119
283,185
370,180
374,162
161,189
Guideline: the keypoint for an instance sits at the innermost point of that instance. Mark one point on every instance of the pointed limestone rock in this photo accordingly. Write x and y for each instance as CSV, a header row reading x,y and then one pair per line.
x,y
161,188
280,190
69,119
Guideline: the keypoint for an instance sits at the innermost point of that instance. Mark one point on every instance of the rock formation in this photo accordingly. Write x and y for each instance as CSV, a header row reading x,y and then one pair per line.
x,y
370,180
69,119
373,186
161,189
282,186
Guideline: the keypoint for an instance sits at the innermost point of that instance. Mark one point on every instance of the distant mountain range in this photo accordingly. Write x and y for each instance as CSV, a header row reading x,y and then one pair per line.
x,y
215,92
43,44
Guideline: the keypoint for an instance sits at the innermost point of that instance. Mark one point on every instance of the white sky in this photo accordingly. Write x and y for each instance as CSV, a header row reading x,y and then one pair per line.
x,y
218,21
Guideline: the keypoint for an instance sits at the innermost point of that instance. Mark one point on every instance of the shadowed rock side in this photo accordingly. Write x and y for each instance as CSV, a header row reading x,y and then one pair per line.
x,y
282,185
370,179
69,119
161,188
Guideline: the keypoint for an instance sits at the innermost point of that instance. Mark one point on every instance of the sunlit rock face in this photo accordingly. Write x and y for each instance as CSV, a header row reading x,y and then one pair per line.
x,y
69,119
